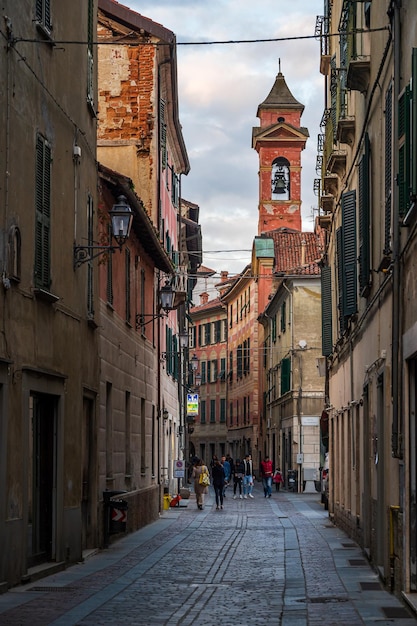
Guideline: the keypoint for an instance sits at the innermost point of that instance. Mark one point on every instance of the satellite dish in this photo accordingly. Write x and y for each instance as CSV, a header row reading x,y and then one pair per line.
x,y
302,343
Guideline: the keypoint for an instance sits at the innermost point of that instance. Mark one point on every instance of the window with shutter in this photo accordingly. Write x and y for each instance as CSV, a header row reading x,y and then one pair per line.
x,y
203,373
222,410
283,316
326,310
388,170
127,285
414,125
109,286
404,147
364,222
203,412
349,253
340,296
212,411
90,57
43,214
163,133
43,15
285,375
222,374
90,267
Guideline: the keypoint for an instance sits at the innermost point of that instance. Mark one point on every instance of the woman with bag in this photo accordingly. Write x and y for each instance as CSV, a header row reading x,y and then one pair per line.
x,y
200,476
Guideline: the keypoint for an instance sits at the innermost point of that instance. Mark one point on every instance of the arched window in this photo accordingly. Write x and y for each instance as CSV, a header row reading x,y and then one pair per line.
x,y
280,179
14,253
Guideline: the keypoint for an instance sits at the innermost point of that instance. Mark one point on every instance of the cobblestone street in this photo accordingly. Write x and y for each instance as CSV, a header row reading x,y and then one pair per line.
x,y
256,562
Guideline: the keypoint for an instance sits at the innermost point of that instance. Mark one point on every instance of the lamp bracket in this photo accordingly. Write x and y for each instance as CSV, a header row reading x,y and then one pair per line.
x,y
82,254
140,318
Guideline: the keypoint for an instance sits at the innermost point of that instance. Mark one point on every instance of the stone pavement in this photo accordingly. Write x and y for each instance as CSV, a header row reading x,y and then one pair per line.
x,y
260,562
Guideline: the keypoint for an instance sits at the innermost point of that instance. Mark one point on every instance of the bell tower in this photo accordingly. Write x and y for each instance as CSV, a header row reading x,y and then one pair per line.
x,y
279,141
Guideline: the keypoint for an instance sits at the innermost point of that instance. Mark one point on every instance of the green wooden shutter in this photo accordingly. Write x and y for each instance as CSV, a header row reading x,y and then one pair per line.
x,y
326,310
404,156
414,125
349,253
388,170
43,214
285,375
222,410
364,221
340,282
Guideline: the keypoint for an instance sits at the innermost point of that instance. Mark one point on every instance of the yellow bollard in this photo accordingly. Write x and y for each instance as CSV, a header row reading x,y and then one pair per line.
x,y
167,500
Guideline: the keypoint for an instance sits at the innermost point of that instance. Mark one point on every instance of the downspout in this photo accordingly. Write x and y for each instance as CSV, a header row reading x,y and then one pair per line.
x,y
396,276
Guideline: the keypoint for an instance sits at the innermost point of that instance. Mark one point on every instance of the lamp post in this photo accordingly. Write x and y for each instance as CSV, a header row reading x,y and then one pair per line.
x,y
121,216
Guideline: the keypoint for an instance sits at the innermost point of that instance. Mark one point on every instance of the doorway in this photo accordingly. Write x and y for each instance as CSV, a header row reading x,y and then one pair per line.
x,y
88,475
42,478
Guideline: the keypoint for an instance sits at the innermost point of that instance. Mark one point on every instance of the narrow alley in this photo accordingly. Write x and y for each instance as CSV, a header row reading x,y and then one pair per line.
x,y
256,562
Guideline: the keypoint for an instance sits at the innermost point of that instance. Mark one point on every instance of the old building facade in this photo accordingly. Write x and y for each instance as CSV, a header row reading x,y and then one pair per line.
x,y
49,365
367,199
139,135
293,388
207,431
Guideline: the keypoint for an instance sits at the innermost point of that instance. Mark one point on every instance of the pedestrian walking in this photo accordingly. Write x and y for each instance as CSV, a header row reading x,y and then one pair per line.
x,y
277,479
266,473
218,477
248,477
199,489
227,474
238,473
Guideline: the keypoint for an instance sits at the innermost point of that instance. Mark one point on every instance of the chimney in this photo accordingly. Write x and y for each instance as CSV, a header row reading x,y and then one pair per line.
x,y
223,275
204,297
303,252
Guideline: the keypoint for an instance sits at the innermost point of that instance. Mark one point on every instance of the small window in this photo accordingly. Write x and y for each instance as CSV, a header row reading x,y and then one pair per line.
x,y
14,253
43,15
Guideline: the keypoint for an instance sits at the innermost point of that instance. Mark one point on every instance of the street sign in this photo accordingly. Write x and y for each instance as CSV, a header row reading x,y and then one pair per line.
x,y
179,468
192,403
117,515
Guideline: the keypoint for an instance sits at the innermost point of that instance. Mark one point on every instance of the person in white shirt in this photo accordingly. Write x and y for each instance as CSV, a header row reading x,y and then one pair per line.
x,y
248,477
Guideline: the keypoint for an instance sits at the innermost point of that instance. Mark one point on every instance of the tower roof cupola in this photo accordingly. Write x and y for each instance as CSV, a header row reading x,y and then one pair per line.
x,y
280,97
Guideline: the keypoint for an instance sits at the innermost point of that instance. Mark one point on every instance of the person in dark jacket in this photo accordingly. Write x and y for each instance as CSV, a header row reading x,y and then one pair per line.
x,y
238,471
218,478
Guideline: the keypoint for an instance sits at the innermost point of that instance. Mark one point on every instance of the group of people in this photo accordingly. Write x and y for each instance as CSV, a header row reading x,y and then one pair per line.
x,y
223,470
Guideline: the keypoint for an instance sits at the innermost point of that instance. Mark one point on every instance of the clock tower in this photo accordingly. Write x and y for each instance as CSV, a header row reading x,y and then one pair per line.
x,y
279,141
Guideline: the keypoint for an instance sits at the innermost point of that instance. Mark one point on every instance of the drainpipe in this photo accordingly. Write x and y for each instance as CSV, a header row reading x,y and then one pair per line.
x,y
396,276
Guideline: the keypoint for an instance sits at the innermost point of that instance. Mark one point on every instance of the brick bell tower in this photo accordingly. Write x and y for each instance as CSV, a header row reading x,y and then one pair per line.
x,y
279,141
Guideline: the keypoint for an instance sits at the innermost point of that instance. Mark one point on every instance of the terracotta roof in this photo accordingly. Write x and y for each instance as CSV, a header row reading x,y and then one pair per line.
x,y
296,252
211,304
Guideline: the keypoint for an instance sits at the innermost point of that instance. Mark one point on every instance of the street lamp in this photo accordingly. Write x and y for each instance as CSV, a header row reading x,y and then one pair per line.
x,y
121,216
166,302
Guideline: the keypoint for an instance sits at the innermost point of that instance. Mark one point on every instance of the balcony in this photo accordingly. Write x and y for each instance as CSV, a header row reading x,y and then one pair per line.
x,y
179,285
358,74
331,184
337,162
327,203
324,221
346,130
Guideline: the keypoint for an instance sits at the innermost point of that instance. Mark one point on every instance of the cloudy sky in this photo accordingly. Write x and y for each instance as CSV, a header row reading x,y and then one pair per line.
x,y
220,87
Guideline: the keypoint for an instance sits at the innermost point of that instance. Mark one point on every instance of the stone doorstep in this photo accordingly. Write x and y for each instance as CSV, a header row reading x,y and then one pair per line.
x,y
411,600
40,571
